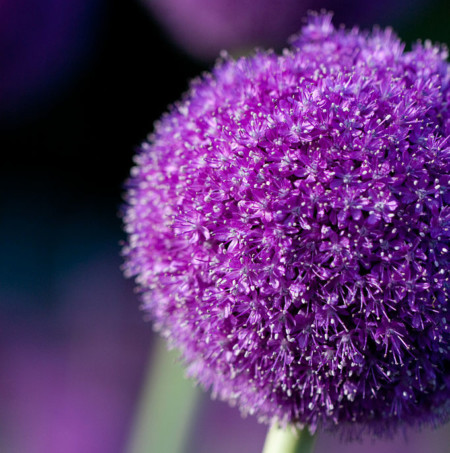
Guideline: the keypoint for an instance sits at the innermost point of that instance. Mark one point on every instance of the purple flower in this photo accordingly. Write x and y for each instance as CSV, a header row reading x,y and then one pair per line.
x,y
289,231
204,27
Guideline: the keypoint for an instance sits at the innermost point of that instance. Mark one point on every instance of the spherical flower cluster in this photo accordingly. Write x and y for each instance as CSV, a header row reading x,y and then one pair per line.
x,y
289,230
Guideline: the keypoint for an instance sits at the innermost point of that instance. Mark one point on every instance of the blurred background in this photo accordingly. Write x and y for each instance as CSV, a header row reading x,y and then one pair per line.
x,y
81,83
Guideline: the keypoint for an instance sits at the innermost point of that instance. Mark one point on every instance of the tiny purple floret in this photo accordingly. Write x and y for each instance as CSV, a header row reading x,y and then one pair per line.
x,y
289,231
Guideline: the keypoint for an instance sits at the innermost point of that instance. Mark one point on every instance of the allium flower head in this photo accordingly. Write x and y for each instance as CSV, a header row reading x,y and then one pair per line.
x,y
289,226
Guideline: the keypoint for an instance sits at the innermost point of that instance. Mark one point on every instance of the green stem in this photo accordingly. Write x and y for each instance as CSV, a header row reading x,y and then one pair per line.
x,y
288,440
167,406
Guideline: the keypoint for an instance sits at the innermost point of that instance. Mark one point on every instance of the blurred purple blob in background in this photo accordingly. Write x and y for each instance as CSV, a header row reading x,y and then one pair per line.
x,y
70,380
70,376
43,45
205,27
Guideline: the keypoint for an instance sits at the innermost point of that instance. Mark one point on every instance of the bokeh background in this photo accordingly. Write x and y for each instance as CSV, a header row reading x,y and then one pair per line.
x,y
81,83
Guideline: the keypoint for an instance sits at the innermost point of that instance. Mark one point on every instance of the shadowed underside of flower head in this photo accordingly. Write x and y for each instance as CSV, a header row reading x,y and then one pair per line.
x,y
289,230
